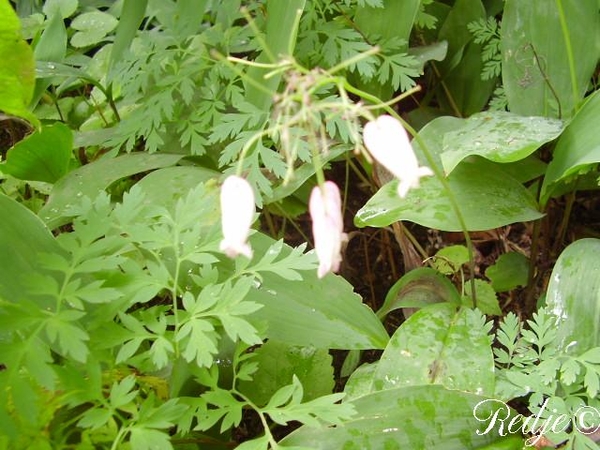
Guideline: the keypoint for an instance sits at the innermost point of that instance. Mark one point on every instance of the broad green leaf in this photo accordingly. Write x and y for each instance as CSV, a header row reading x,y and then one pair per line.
x,y
51,47
468,92
432,136
487,197
440,344
62,8
454,30
548,60
449,259
93,178
42,156
279,362
416,417
324,313
426,53
167,185
577,148
132,15
510,271
91,28
487,301
22,236
394,19
526,169
419,288
498,136
360,382
17,77
573,296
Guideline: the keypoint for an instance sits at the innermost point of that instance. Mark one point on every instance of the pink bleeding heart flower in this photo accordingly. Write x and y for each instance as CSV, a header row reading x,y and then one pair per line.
x,y
388,143
325,207
237,214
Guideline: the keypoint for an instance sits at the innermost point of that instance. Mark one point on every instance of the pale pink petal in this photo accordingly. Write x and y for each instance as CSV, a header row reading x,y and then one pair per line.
x,y
388,143
328,226
237,214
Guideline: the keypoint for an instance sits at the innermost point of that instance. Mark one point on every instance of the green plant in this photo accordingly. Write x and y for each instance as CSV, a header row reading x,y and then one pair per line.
x,y
123,324
139,305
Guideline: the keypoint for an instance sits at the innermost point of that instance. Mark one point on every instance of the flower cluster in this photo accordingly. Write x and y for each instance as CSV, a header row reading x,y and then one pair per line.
x,y
387,142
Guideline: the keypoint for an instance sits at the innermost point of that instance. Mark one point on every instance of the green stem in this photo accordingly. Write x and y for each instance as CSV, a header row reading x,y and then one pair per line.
x,y
535,245
562,231
117,441
316,158
289,219
569,47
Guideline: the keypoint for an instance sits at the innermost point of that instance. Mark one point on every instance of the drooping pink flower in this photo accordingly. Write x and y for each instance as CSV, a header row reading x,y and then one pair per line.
x,y
237,214
325,207
387,141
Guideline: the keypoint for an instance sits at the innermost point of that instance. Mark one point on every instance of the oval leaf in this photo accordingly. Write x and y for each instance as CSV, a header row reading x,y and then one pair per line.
x,y
577,148
92,27
277,365
42,156
535,55
439,344
498,136
574,296
465,92
93,178
17,77
509,271
418,417
22,237
324,313
487,196
419,288
165,186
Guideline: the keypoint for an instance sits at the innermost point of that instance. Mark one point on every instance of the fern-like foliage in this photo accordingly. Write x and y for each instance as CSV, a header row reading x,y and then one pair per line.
x,y
498,102
326,42
556,382
424,19
487,33
137,286
174,91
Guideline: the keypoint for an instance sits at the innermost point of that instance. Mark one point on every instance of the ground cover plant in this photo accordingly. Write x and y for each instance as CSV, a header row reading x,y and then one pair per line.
x,y
304,224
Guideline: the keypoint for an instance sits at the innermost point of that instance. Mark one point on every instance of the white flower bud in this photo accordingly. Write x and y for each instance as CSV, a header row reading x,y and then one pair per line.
x,y
328,226
388,143
237,214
